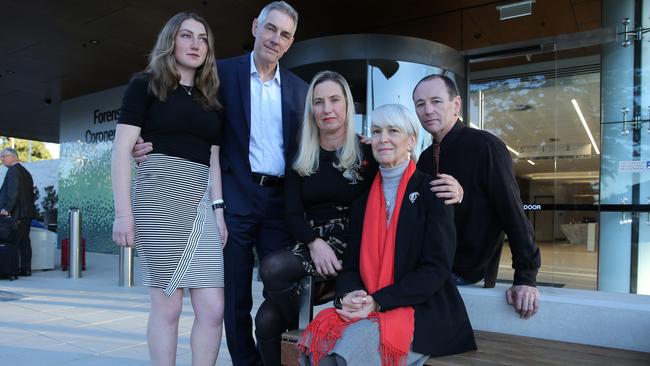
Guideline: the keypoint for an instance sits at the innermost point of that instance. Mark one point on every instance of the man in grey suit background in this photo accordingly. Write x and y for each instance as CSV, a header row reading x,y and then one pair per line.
x,y
17,200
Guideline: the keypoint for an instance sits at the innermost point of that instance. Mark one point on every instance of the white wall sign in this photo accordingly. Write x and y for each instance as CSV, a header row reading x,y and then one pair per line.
x,y
555,151
91,118
633,166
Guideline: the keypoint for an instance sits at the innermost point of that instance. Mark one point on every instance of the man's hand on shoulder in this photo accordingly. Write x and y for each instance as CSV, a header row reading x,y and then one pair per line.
x,y
140,150
525,300
447,187
364,139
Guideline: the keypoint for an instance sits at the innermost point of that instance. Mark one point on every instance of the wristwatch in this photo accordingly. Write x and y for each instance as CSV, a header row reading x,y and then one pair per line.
x,y
338,301
216,204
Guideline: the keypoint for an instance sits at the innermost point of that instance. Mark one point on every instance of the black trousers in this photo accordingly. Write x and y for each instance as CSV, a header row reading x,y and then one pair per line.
x,y
24,245
265,231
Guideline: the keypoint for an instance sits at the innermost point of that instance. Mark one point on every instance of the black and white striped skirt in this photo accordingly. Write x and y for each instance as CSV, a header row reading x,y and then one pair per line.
x,y
176,233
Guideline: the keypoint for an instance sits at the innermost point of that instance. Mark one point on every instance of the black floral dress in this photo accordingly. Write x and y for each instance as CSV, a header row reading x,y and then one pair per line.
x,y
318,206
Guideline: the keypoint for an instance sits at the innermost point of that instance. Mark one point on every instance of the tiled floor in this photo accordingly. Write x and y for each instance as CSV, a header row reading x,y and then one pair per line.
x,y
88,321
91,321
563,263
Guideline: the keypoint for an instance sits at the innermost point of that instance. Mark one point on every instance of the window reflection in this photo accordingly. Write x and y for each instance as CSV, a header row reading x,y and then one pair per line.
x,y
556,156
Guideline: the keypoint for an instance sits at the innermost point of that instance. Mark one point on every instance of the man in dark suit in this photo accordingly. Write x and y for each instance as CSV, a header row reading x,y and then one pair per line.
x,y
263,106
17,199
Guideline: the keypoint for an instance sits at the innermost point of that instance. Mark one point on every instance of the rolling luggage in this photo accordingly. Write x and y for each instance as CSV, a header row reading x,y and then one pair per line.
x,y
8,229
8,261
65,254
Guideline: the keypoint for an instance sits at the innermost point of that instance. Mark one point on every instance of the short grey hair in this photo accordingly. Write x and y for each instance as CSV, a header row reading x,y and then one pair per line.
x,y
10,151
397,115
280,6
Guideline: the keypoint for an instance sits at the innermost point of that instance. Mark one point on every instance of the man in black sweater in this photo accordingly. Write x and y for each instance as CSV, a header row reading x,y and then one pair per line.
x,y
491,203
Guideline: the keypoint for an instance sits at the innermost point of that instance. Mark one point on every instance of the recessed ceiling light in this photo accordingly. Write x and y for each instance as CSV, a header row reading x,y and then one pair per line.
x,y
515,10
584,124
94,42
513,150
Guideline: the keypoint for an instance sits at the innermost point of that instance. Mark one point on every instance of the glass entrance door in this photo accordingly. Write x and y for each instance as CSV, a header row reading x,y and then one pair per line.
x,y
548,114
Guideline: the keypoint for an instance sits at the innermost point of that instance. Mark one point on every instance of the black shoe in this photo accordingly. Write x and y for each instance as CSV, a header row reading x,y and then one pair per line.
x,y
25,273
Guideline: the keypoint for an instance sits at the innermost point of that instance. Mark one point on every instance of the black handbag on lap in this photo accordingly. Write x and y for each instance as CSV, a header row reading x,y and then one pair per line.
x,y
8,229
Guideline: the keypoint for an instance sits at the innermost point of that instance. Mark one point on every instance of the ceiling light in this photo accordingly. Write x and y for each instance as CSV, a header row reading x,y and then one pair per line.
x,y
593,175
584,124
94,42
513,151
530,162
515,10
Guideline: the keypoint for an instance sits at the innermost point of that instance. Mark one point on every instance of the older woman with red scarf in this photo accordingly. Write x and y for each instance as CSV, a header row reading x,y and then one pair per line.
x,y
397,303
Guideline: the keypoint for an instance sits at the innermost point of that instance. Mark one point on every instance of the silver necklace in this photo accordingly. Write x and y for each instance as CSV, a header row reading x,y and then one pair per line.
x,y
189,91
388,211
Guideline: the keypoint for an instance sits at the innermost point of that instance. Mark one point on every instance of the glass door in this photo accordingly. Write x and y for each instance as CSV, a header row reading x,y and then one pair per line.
x,y
546,110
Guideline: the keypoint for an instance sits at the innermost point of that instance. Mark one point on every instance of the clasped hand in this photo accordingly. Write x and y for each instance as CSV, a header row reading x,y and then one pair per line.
x,y
356,305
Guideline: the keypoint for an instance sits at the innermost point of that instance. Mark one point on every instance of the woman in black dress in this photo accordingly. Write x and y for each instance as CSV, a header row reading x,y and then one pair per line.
x,y
173,210
332,168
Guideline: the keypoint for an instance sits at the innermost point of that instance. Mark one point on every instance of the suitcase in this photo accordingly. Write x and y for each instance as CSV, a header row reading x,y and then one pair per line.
x,y
65,254
8,261
8,229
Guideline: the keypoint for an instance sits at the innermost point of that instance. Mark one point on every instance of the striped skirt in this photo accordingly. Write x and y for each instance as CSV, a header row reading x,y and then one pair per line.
x,y
176,233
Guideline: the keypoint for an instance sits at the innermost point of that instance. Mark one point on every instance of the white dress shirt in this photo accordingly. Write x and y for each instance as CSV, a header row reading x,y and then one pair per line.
x,y
266,146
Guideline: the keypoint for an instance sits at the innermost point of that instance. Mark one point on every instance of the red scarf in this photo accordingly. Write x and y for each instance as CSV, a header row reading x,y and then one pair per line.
x,y
376,264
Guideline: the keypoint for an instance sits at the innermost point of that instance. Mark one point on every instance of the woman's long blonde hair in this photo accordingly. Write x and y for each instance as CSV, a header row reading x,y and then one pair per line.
x,y
163,77
306,162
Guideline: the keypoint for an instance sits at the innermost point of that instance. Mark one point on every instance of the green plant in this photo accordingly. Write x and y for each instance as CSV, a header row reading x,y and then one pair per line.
x,y
39,213
49,203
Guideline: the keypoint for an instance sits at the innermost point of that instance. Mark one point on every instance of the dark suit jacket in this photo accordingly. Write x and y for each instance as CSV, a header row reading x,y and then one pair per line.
x,y
17,192
234,93
424,252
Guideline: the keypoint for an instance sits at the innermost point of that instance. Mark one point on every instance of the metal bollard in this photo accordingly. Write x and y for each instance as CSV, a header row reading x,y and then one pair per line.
x,y
74,269
126,267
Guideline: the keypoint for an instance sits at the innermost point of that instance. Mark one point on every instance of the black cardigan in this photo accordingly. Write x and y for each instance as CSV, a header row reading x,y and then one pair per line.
x,y
424,253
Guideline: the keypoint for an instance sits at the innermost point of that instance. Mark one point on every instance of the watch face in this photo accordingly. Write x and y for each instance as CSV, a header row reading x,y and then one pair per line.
x,y
338,302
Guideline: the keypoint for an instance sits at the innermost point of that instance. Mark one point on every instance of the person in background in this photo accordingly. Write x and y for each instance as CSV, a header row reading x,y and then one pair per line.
x,y
17,200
